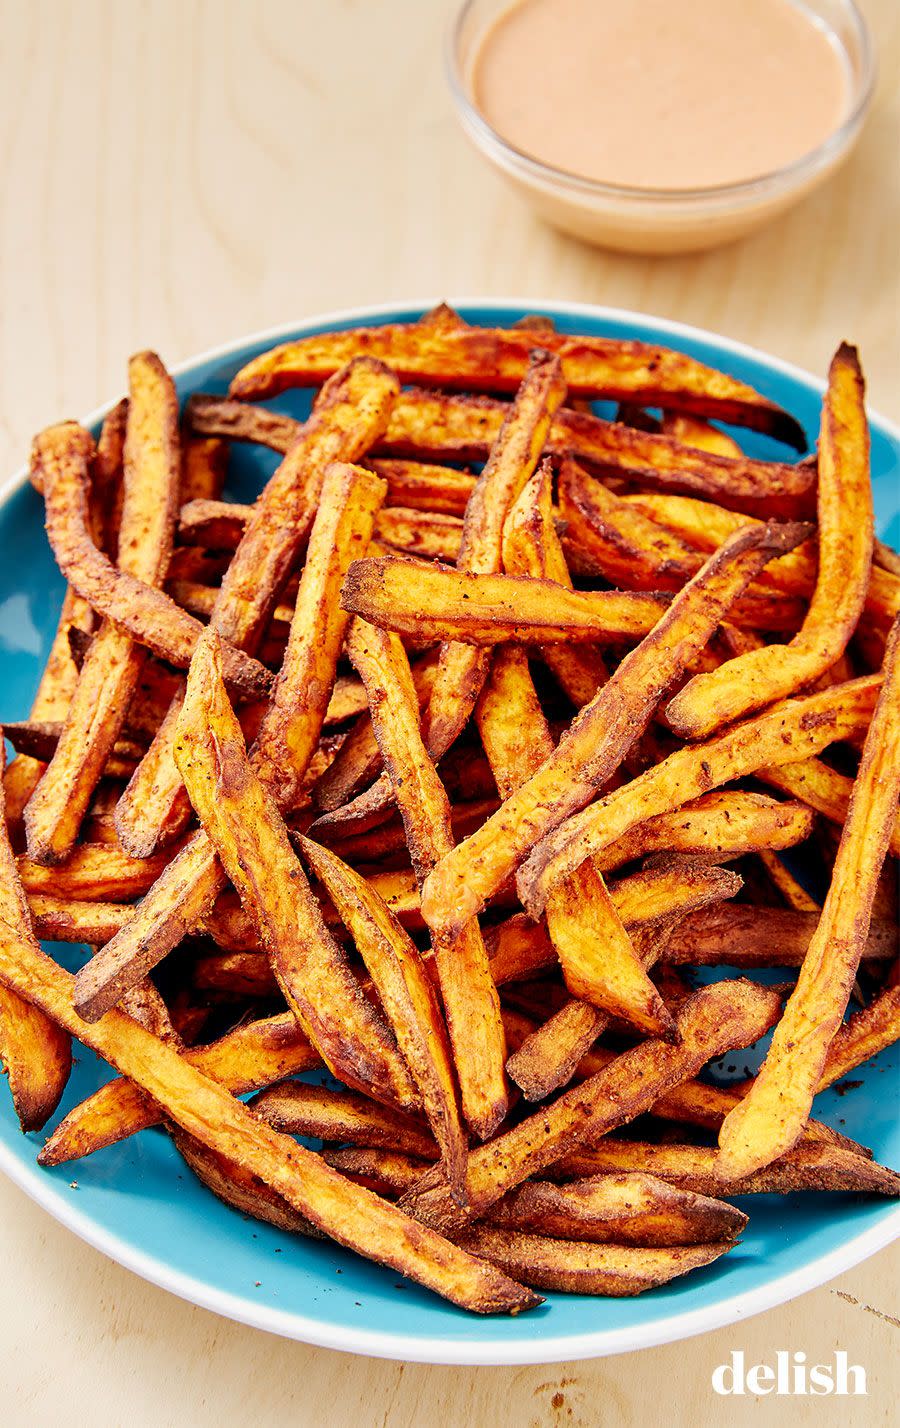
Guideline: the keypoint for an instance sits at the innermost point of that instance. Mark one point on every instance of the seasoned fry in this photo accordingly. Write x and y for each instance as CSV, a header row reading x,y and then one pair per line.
x,y
471,1004
497,360
240,1188
113,664
743,935
598,961
246,1059
718,825
61,458
532,547
602,733
845,527
809,1165
57,919
348,415
241,819
570,1267
94,872
36,1053
720,1017
633,1209
867,1032
292,724
791,731
207,1111
793,893
435,602
822,788
774,1112
303,1109
407,995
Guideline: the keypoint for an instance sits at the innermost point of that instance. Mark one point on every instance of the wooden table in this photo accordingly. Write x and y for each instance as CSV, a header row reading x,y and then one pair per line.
x,y
175,174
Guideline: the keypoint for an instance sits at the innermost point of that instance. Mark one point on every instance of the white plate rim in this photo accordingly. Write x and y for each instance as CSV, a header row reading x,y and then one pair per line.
x,y
437,1350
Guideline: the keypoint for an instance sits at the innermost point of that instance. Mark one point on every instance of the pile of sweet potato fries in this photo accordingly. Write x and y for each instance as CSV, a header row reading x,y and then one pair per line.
x,y
446,781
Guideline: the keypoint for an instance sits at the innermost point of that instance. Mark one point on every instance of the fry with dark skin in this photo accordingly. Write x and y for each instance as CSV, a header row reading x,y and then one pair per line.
x,y
773,1113
242,822
323,1114
592,749
846,533
471,1004
188,888
204,1109
496,359
61,458
532,547
113,664
793,730
744,935
348,415
407,995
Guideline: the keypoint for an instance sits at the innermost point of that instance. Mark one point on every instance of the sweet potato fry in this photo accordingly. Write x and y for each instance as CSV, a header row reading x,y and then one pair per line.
x,y
744,935
113,665
717,1018
822,788
471,1004
571,1267
292,724
867,1032
57,919
251,1056
792,892
241,819
793,730
407,995
693,431
628,1209
61,458
36,1053
207,1111
598,961
772,1115
720,825
349,413
494,359
810,1165
303,1109
602,733
94,872
387,1172
845,559
532,547
436,602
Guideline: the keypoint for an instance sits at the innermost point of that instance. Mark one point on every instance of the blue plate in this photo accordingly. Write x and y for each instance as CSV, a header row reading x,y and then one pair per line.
x,y
139,1204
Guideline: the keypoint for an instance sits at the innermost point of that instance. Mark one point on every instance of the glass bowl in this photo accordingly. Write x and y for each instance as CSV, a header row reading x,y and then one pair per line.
x,y
644,220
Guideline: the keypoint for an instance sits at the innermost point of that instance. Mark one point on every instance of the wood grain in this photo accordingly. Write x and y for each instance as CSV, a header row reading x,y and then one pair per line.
x,y
176,173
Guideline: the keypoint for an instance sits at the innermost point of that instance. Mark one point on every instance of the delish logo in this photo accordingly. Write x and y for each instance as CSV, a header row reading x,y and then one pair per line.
x,y
790,1377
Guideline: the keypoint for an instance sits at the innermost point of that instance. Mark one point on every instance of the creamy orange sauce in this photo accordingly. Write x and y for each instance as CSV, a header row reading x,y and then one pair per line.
x,y
668,94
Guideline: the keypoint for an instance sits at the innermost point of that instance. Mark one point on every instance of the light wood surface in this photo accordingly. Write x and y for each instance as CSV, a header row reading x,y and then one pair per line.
x,y
176,173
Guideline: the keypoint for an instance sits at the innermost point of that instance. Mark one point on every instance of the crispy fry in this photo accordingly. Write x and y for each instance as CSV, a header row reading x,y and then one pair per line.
x,y
633,1209
845,559
113,665
407,995
718,825
772,1115
791,731
744,935
241,819
532,547
292,724
471,1004
240,1188
810,1165
94,872
57,919
35,1052
792,892
701,434
436,602
307,1110
571,1267
246,1059
207,1111
61,458
497,360
717,1018
387,1172
349,413
599,963
601,734
822,788
867,1032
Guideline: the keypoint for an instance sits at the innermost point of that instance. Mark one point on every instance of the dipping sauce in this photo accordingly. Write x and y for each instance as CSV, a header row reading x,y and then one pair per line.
x,y
663,94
